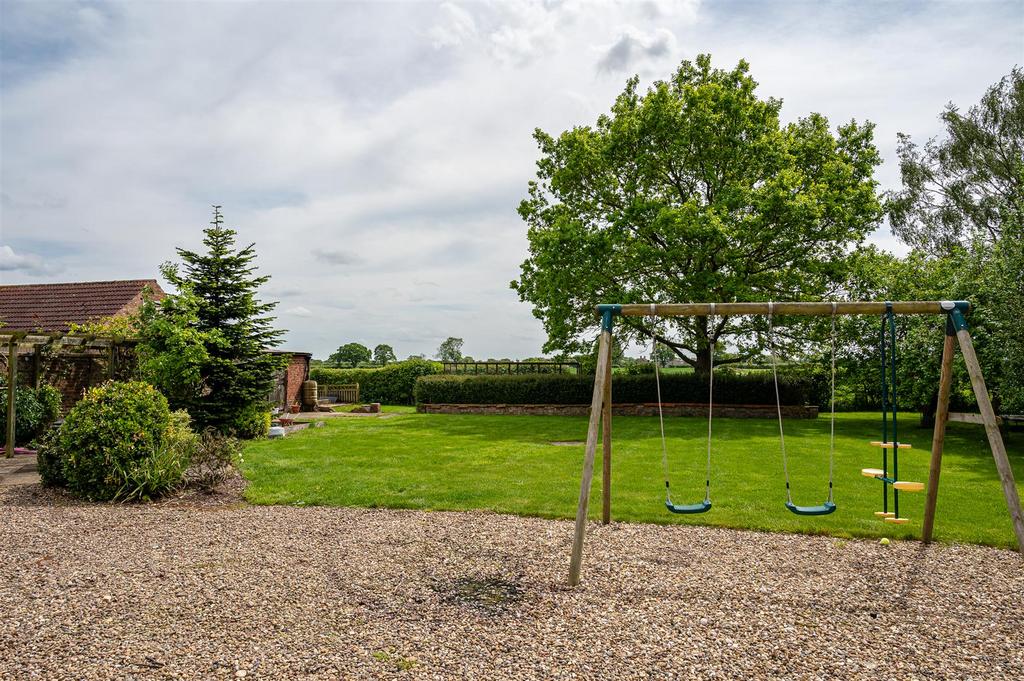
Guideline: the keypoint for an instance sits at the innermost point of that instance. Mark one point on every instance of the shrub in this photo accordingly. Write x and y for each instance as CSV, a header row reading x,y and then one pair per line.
x,y
49,460
253,422
391,384
35,411
164,469
214,460
562,389
108,433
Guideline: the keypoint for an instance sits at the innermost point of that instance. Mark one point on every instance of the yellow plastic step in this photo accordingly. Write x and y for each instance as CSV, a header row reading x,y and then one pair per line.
x,y
889,445
871,472
885,514
897,521
907,486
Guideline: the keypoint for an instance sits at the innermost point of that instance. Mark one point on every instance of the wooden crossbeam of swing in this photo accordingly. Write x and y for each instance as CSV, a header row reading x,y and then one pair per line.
x,y
812,309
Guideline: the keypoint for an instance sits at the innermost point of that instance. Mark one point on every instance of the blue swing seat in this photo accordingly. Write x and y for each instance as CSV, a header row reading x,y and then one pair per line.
x,y
700,507
824,509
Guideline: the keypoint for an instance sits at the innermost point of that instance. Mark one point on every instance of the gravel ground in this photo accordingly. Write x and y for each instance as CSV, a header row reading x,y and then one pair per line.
x,y
219,589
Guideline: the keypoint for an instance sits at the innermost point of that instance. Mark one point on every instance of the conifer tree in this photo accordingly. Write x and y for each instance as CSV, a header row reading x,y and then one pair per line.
x,y
237,372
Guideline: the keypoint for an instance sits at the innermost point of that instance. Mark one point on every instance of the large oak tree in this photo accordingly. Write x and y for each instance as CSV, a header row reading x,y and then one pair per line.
x,y
692,191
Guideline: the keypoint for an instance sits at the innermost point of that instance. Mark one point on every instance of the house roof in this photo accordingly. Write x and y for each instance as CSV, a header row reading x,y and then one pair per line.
x,y
54,307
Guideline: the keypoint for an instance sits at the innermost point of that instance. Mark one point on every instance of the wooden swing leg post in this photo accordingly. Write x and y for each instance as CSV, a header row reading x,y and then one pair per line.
x,y
995,438
606,449
939,436
603,362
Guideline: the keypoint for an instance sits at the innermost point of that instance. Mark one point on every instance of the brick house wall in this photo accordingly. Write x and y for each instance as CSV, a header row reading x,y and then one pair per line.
x,y
288,385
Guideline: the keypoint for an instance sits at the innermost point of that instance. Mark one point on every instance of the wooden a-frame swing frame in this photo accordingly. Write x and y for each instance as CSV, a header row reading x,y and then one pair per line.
x,y
956,330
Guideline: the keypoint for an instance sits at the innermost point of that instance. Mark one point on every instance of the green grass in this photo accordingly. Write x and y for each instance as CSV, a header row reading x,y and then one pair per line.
x,y
385,409
507,464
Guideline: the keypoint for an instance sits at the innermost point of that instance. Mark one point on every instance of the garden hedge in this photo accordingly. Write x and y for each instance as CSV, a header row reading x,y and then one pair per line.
x,y
391,384
35,410
563,389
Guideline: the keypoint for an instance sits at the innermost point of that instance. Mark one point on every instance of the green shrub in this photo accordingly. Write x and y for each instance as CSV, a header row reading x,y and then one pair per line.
x,y
253,422
391,384
35,411
49,460
164,469
563,389
108,433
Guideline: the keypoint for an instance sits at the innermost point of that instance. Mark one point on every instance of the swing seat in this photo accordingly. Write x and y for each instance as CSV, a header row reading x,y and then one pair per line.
x,y
824,509
701,507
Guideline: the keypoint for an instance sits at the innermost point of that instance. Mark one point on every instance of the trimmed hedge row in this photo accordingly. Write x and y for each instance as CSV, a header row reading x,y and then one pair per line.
x,y
391,384
562,389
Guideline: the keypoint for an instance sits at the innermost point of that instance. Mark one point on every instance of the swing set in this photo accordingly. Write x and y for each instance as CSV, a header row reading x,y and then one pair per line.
x,y
956,330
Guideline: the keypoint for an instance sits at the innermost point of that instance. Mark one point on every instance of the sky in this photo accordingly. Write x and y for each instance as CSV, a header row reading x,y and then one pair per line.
x,y
376,152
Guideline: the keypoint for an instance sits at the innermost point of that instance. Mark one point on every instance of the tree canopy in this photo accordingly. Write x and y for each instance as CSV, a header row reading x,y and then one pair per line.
x,y
384,354
350,353
692,191
450,350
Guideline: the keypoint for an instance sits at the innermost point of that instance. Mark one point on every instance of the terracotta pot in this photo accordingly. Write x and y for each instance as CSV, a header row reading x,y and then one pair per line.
x,y
295,409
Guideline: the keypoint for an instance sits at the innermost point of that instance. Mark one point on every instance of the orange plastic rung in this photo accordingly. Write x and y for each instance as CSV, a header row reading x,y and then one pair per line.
x,y
897,521
907,486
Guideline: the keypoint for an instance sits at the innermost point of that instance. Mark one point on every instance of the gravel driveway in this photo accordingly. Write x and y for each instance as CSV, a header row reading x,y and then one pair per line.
x,y
232,591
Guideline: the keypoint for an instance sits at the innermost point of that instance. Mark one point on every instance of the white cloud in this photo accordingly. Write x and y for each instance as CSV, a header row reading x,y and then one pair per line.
x,y
25,263
376,152
299,311
454,27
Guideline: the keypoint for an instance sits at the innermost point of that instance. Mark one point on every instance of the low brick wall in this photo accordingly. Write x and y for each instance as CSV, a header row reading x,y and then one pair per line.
x,y
741,411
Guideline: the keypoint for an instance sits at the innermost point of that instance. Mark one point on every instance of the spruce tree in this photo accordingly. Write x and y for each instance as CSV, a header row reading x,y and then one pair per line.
x,y
238,374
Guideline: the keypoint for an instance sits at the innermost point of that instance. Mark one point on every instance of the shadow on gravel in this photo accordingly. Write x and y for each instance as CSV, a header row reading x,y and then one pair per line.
x,y
490,595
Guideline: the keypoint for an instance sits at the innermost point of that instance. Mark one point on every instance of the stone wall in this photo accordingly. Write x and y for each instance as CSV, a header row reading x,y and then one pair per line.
x,y
743,411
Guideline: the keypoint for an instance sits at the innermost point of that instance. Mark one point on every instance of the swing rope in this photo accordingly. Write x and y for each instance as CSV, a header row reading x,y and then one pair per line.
x,y
829,505
778,399
706,504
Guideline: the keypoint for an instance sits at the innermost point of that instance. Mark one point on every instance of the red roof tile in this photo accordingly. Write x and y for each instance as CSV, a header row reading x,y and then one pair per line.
x,y
52,307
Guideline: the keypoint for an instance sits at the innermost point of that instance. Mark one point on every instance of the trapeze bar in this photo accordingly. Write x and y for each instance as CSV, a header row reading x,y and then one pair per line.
x,y
813,309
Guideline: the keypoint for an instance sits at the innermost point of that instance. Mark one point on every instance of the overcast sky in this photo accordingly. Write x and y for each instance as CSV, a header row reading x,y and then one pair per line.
x,y
376,152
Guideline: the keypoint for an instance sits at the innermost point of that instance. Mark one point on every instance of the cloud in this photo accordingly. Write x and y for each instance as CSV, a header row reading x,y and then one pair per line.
x,y
298,311
635,46
372,146
26,263
337,258
453,28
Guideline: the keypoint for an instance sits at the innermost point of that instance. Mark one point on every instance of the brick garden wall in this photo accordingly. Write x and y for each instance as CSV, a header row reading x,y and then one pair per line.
x,y
743,411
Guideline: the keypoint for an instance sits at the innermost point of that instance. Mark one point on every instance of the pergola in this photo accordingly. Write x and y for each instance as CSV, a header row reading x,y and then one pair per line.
x,y
35,343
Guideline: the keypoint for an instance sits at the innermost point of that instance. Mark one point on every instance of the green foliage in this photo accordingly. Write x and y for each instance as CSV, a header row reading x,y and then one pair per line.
x,y
173,350
450,350
49,460
384,354
252,423
692,191
35,410
968,187
351,354
108,434
164,469
962,208
627,389
392,384
232,370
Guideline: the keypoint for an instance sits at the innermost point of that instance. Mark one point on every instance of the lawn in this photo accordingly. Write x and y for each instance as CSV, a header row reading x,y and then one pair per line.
x,y
508,464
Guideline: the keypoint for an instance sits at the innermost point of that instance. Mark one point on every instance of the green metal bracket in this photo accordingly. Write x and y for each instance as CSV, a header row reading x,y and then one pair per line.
x,y
608,313
957,319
